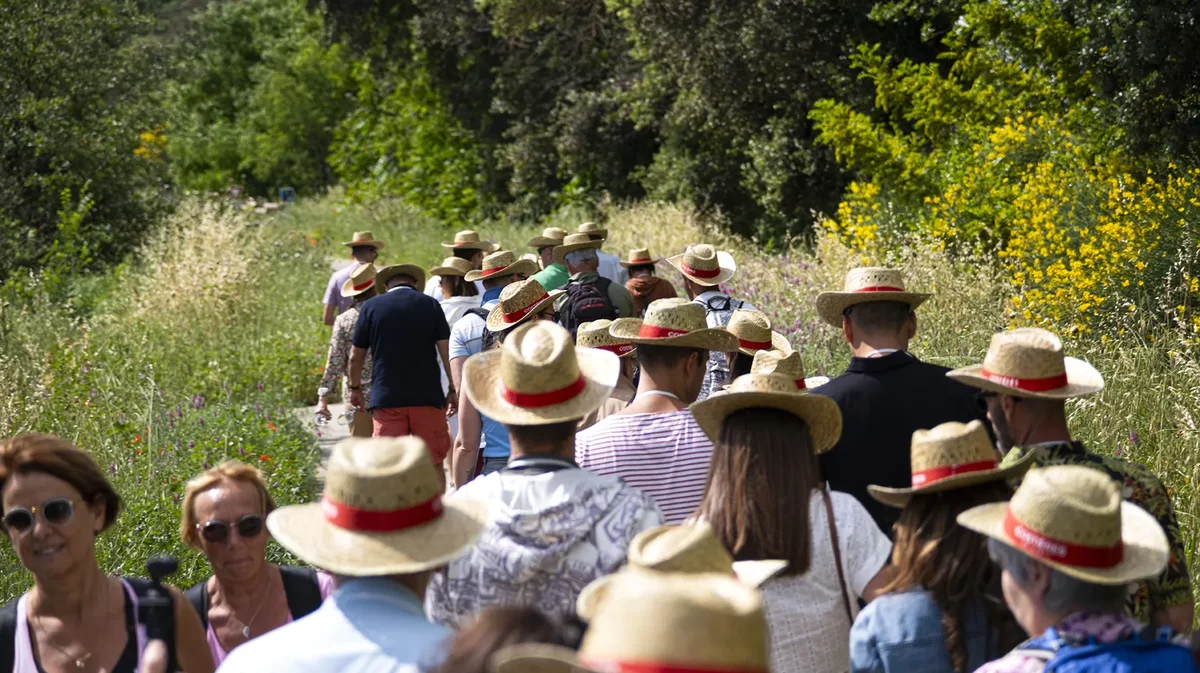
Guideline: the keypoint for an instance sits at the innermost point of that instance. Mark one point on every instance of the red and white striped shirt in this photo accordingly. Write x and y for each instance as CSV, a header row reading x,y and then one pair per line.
x,y
666,455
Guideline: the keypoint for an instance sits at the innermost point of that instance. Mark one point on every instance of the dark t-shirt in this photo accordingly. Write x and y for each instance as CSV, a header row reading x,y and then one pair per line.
x,y
883,401
402,328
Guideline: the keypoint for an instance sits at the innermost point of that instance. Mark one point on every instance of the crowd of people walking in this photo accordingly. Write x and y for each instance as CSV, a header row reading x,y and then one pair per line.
x,y
558,463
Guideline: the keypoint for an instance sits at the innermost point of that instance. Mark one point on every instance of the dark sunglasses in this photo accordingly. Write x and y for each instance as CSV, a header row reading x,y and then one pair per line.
x,y
982,397
56,511
250,525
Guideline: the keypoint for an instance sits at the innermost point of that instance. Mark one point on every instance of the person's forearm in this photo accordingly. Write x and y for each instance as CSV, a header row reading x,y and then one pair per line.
x,y
330,314
357,357
443,348
470,430
456,367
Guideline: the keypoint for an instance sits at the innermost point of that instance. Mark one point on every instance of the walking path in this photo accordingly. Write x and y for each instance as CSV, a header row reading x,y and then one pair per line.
x,y
327,435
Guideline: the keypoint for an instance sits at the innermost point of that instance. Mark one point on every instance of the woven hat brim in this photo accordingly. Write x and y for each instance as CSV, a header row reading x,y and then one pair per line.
x,y
495,319
820,413
724,262
650,262
1082,380
831,305
756,573
710,338
899,497
486,246
542,241
778,343
388,272
561,251
537,658
1146,549
370,244
520,266
445,271
814,381
349,291
304,531
481,377
751,573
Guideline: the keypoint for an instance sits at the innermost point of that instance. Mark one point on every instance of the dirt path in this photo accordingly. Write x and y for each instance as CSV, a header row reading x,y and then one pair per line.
x,y
327,435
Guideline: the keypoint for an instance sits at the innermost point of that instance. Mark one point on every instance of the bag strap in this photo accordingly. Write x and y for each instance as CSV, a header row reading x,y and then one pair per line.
x,y
197,595
8,634
837,554
302,589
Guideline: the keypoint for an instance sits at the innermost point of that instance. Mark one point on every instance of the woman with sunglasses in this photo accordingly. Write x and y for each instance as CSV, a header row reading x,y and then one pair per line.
x,y
76,618
224,517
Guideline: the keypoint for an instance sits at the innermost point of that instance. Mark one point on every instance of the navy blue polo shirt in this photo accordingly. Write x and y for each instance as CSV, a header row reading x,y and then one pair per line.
x,y
402,328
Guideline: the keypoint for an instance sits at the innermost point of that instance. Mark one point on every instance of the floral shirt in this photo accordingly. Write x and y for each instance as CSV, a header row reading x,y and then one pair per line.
x,y
1104,627
1141,487
337,365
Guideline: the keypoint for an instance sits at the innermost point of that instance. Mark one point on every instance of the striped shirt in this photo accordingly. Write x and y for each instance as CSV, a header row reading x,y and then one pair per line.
x,y
666,455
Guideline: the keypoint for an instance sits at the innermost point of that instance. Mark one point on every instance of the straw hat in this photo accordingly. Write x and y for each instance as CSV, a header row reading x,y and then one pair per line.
x,y
753,330
502,263
674,322
593,229
1029,362
660,622
452,266
790,365
519,302
1071,518
865,285
469,240
530,257
595,334
772,391
363,238
360,280
538,377
704,264
678,548
550,236
572,243
388,272
640,257
381,513
952,455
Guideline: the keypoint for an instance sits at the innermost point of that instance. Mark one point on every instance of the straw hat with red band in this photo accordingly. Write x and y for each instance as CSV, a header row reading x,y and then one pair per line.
x,y
388,272
595,334
660,623
864,285
520,301
550,236
790,365
1029,362
360,280
674,322
1072,519
772,391
640,257
469,240
538,377
704,264
952,455
572,243
592,229
381,513
753,331
452,266
363,238
500,264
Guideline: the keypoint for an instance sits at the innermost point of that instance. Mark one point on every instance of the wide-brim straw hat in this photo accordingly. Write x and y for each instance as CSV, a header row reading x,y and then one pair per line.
x,y
381,513
640,257
674,322
452,266
660,622
519,302
388,272
1072,518
753,331
595,334
704,264
363,238
678,548
1029,362
361,280
592,229
572,243
772,391
864,285
951,455
550,236
538,377
470,240
502,263
789,364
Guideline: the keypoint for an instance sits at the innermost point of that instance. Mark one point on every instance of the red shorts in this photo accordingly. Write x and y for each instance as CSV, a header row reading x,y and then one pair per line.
x,y
428,423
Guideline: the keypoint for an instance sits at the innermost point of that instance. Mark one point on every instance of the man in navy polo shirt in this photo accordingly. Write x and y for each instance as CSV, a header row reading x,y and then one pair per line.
x,y
404,328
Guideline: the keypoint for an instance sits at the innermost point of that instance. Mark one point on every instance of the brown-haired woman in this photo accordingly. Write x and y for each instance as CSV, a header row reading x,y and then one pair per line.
x,y
359,288
764,480
495,628
224,514
76,618
943,610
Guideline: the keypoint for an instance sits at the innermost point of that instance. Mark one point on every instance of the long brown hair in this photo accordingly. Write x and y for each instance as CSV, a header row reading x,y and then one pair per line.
x,y
762,476
951,562
460,287
499,627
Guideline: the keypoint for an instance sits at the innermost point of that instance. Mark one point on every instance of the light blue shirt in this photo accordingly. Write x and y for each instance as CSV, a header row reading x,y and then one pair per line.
x,y
903,632
370,625
466,336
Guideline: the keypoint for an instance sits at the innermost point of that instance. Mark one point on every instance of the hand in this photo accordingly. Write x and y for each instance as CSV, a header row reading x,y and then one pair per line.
x,y
323,410
154,659
356,399
451,403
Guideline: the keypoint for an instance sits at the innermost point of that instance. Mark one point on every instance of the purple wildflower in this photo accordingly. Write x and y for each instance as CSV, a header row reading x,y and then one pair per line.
x,y
191,445
1134,439
201,420
260,386
112,468
121,418
205,465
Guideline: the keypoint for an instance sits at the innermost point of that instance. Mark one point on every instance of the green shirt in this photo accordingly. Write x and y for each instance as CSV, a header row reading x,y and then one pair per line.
x,y
552,277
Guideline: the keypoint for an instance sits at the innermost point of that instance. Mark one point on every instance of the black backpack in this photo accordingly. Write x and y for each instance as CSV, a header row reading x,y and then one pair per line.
x,y
586,302
299,585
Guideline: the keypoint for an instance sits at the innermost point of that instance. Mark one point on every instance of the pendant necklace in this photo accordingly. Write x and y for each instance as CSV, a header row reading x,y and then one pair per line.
x,y
80,662
246,625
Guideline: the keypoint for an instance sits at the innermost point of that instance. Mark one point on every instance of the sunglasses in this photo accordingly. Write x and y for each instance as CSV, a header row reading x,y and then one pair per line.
x,y
982,397
56,511
250,525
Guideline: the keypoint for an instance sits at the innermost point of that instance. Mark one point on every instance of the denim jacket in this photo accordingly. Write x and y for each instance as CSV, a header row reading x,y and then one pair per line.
x,y
902,632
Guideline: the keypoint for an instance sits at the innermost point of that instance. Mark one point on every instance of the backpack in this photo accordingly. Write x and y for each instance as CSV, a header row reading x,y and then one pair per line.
x,y
717,370
1147,652
586,302
481,313
299,586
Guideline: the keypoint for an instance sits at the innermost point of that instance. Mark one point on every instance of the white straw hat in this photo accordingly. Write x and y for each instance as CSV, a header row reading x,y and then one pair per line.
x,y
864,285
572,243
772,391
592,229
704,264
550,236
365,238
452,266
790,365
674,322
595,334
388,272
502,263
753,331
1029,362
469,240
360,280
519,302
640,257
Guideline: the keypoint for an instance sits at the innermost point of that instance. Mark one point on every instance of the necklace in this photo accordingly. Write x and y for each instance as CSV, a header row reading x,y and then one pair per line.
x,y
661,393
246,625
80,662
